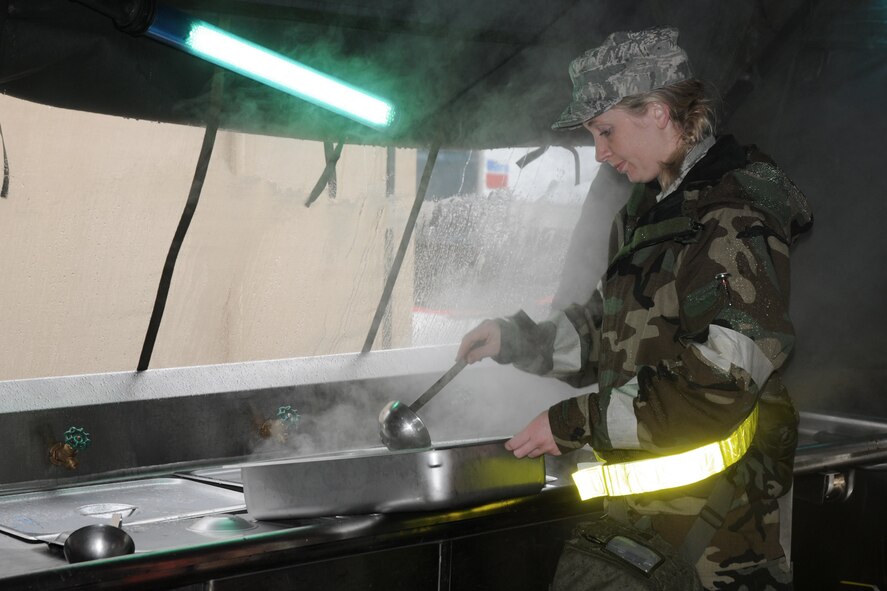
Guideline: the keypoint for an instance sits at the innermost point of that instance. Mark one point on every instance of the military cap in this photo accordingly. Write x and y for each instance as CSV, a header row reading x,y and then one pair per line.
x,y
626,63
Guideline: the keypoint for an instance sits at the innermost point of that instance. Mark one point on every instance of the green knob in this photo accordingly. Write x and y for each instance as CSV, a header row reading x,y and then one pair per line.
x,y
77,438
288,414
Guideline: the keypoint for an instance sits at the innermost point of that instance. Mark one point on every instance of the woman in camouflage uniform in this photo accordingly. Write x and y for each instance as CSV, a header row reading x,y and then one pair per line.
x,y
689,326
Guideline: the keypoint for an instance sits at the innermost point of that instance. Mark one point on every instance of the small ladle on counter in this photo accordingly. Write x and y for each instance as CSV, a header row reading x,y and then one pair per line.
x,y
97,541
400,426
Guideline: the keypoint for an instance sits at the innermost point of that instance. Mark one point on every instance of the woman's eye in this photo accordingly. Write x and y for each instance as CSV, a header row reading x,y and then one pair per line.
x,y
604,133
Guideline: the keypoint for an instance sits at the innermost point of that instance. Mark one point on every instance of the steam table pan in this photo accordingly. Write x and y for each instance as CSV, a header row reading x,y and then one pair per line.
x,y
43,515
380,481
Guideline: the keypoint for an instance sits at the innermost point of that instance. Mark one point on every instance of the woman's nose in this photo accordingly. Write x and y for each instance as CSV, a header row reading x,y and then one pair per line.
x,y
601,150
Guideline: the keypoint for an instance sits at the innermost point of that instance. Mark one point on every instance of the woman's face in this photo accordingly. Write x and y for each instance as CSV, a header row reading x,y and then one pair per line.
x,y
635,146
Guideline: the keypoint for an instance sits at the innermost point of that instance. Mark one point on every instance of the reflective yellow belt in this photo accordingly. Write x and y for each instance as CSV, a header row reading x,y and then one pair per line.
x,y
642,476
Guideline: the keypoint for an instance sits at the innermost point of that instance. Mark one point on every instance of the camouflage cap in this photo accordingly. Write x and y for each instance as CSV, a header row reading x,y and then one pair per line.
x,y
626,63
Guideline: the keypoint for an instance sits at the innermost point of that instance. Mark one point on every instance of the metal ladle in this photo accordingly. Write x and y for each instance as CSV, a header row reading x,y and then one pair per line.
x,y
401,427
93,542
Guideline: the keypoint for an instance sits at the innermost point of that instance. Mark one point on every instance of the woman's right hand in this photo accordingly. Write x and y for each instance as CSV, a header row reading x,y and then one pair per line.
x,y
481,342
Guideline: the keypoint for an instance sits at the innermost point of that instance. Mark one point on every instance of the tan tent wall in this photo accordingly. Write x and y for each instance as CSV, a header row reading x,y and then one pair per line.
x,y
94,202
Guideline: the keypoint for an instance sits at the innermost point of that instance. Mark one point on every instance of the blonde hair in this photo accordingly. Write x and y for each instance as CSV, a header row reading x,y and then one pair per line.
x,y
691,111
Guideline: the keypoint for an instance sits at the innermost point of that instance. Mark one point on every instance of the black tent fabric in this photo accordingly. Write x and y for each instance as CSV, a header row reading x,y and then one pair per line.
x,y
462,73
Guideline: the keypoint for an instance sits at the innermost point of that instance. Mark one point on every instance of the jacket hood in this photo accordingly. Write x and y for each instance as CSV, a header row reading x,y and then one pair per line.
x,y
753,177
772,191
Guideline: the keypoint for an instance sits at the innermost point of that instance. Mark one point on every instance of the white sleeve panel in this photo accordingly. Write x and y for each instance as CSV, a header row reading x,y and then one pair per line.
x,y
726,347
622,423
567,355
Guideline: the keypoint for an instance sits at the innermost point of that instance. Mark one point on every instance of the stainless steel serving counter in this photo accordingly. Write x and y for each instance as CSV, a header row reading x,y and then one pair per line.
x,y
174,554
187,430
225,549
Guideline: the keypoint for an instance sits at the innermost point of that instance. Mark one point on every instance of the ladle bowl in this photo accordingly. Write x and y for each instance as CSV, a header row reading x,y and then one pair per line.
x,y
401,428
94,542
399,425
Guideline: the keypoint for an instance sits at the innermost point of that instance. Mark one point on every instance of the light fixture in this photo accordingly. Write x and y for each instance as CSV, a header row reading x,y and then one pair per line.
x,y
234,53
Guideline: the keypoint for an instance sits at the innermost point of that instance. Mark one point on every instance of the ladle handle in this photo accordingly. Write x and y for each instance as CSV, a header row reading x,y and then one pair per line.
x,y
438,385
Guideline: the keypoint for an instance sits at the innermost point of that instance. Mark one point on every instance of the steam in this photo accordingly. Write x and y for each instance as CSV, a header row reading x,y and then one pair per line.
x,y
349,425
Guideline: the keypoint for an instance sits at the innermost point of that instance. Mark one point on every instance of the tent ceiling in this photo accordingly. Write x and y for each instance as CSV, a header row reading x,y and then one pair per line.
x,y
464,73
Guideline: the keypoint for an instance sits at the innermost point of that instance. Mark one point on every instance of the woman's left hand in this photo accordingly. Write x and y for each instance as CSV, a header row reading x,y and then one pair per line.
x,y
535,439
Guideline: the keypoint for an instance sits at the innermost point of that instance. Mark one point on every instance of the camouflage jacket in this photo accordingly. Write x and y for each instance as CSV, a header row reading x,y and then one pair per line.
x,y
684,335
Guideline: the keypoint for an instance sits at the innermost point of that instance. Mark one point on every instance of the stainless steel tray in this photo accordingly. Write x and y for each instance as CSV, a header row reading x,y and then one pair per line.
x,y
380,481
44,515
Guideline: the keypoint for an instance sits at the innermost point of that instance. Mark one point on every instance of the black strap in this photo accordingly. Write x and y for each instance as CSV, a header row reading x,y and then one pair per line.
x,y
402,249
206,150
530,156
4,190
576,168
534,154
328,176
617,508
677,228
710,520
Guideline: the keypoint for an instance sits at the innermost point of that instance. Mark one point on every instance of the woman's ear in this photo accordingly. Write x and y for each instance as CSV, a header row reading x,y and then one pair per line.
x,y
660,114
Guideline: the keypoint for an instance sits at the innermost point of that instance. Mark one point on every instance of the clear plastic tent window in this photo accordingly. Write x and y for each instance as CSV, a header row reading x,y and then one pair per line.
x,y
94,201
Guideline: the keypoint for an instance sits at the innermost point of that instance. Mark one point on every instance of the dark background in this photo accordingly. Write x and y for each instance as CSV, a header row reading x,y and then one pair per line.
x,y
805,81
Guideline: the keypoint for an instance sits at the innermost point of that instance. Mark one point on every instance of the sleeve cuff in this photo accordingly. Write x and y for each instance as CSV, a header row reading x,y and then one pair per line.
x,y
509,337
569,425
